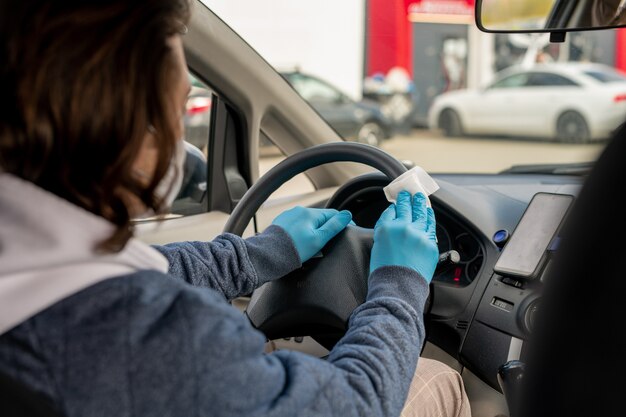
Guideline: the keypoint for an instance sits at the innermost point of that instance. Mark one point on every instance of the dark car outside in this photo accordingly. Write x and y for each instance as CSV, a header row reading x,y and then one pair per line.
x,y
198,114
360,121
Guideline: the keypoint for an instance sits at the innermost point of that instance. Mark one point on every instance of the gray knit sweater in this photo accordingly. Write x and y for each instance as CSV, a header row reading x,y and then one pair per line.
x,y
155,344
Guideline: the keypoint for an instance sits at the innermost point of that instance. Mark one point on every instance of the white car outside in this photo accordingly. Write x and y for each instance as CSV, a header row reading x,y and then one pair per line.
x,y
570,102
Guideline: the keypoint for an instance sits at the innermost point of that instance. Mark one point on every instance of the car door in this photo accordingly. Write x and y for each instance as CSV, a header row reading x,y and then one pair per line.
x,y
547,96
191,216
498,109
214,177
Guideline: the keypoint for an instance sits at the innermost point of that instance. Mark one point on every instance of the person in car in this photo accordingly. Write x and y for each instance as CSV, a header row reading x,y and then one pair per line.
x,y
94,322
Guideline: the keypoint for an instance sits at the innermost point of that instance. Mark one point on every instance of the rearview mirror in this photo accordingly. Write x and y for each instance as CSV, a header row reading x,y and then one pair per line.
x,y
548,15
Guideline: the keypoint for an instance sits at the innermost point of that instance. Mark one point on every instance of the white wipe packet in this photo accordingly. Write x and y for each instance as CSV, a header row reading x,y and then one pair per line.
x,y
415,180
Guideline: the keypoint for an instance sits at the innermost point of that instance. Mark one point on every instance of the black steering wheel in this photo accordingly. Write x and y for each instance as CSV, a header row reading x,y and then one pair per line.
x,y
318,298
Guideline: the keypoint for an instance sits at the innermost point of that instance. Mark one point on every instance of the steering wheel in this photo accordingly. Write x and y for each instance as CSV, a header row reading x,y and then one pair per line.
x,y
318,298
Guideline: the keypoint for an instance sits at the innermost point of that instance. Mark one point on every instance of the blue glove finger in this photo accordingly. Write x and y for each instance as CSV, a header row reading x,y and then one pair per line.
x,y
301,225
431,228
403,206
388,215
322,216
419,211
352,223
402,244
332,227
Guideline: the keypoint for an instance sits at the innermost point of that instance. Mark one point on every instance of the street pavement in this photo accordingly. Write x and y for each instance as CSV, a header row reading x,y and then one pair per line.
x,y
438,154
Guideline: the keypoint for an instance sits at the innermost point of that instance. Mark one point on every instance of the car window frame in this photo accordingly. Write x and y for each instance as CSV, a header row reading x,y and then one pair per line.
x,y
226,140
618,76
552,74
494,85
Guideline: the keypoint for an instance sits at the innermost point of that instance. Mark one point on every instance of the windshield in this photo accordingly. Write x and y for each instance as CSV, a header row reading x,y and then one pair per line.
x,y
419,80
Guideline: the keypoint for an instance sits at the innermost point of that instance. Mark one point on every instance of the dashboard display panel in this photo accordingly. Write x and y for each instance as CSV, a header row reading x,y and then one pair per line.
x,y
452,236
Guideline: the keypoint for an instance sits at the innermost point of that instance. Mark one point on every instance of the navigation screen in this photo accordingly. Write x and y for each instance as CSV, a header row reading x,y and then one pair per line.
x,y
524,254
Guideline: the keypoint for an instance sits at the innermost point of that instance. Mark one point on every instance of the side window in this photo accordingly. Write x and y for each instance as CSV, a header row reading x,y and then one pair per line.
x,y
198,114
192,198
517,80
546,79
313,90
606,76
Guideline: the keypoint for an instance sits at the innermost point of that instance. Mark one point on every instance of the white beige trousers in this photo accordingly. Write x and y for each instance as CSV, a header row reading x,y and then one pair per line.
x,y
437,390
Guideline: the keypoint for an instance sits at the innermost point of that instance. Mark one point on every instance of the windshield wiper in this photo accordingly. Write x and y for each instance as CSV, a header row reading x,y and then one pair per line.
x,y
577,169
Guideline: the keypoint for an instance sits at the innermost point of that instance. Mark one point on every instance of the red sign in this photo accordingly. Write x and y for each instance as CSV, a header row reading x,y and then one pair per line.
x,y
452,7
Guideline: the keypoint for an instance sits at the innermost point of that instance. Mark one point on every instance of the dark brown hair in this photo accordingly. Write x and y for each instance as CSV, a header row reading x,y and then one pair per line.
x,y
80,85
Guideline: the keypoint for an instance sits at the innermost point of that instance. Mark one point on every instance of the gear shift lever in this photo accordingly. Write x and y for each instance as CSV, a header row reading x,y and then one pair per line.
x,y
510,378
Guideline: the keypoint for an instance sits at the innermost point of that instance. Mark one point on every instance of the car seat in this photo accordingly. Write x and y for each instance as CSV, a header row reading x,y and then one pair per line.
x,y
574,359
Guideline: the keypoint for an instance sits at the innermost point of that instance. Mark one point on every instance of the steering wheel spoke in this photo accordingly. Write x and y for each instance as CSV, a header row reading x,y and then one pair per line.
x,y
317,299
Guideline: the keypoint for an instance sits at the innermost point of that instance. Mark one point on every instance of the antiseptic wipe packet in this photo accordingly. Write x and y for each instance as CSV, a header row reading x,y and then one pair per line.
x,y
415,180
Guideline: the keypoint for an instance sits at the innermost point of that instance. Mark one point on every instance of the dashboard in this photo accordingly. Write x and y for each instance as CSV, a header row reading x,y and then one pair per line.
x,y
475,315
452,235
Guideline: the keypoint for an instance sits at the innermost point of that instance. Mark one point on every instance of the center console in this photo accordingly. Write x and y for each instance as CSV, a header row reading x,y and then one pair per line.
x,y
506,313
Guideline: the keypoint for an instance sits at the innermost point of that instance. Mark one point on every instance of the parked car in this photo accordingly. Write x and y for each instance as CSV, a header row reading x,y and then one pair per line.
x,y
569,102
198,114
360,121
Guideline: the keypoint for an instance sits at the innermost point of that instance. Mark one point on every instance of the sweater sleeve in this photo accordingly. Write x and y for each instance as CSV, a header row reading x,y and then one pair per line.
x,y
231,265
368,373
150,345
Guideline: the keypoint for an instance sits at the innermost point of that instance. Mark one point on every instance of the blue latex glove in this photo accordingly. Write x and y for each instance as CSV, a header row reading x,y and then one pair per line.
x,y
311,229
405,235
